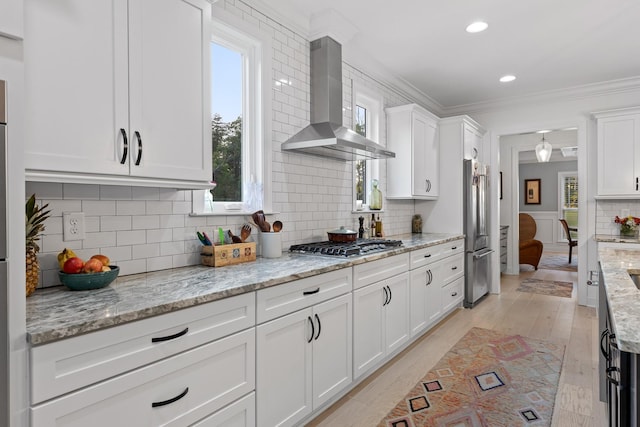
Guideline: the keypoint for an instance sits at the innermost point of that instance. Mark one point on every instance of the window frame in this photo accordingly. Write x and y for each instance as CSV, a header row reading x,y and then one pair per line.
x,y
561,196
255,45
372,102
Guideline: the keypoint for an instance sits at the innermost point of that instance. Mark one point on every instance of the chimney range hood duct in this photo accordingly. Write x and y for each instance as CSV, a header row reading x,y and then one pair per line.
x,y
325,136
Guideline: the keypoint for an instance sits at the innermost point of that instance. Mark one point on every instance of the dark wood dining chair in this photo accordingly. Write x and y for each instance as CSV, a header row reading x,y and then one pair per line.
x,y
567,232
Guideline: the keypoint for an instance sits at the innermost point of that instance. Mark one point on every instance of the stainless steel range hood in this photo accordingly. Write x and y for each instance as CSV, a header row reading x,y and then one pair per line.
x,y
325,136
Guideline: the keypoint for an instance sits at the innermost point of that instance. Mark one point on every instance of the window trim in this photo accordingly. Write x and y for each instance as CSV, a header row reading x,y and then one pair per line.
x,y
231,31
561,179
373,102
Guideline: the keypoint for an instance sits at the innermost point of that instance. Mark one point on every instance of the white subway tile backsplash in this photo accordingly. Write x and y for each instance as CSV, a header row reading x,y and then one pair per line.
x,y
159,263
44,190
171,221
145,251
115,192
81,191
145,222
115,223
99,240
159,235
171,248
130,207
97,208
135,237
145,193
162,207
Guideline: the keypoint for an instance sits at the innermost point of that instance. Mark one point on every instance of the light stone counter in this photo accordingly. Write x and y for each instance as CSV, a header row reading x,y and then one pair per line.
x,y
615,239
622,295
57,313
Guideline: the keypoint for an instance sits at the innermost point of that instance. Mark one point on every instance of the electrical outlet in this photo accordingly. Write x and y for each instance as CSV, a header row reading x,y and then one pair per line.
x,y
72,226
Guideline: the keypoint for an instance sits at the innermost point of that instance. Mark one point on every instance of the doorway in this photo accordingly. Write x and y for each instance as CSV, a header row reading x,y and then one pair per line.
x,y
510,146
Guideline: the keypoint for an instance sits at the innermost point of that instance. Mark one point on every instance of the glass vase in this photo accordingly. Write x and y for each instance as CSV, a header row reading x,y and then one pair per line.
x,y
375,202
628,231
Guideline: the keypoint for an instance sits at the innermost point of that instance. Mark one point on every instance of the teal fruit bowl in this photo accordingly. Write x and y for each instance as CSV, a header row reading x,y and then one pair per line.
x,y
86,281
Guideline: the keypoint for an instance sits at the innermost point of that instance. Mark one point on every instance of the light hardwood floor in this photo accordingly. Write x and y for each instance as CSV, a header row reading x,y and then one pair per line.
x,y
556,319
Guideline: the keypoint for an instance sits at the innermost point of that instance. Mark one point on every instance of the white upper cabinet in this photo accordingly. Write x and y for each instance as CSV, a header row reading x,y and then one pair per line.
x,y
619,153
412,133
472,141
11,22
118,92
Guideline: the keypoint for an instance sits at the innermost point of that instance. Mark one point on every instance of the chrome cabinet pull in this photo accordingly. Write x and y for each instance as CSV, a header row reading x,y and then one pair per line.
x,y
170,401
171,337
139,138
125,142
315,291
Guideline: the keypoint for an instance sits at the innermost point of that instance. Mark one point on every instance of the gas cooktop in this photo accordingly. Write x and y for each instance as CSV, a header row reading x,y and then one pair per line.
x,y
359,247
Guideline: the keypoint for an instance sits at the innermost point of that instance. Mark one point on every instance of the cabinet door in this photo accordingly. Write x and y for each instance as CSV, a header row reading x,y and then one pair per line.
x,y
332,349
169,75
241,413
424,297
397,312
284,358
76,85
618,152
11,22
368,328
425,156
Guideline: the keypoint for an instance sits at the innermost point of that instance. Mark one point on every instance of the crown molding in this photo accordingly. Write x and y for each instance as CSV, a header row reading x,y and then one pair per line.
x,y
296,22
570,93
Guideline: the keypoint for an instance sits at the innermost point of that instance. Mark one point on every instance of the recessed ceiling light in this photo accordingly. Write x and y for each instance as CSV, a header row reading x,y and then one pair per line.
x,y
507,78
476,27
543,131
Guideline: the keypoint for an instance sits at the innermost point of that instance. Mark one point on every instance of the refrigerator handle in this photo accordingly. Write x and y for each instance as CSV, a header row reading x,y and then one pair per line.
x,y
483,254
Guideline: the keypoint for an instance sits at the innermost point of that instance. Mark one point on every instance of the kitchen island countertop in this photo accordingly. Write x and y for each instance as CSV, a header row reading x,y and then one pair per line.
x,y
623,296
57,313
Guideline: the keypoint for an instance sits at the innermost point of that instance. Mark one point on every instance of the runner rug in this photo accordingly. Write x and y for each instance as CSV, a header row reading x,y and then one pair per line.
x,y
486,379
558,262
546,287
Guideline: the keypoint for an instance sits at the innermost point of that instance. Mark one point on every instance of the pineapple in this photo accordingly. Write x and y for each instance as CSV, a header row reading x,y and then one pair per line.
x,y
35,218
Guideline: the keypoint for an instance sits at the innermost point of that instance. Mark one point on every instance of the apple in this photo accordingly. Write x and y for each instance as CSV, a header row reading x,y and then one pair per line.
x,y
106,268
73,265
92,266
103,259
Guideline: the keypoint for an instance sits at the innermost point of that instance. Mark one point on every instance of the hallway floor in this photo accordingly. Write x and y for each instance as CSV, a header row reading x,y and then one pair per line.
x,y
551,318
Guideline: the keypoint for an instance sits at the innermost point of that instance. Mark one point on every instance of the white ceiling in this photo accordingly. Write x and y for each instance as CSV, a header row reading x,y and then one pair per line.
x,y
548,44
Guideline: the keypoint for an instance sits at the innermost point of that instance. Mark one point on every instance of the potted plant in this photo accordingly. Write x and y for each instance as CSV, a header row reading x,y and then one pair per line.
x,y
628,225
35,217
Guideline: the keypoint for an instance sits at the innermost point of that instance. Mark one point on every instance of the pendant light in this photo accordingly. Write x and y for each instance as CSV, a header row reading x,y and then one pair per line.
x,y
543,151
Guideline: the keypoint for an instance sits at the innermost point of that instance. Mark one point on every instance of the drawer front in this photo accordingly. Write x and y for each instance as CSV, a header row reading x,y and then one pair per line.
x,y
452,294
426,255
372,272
283,299
452,248
239,414
66,365
173,392
452,268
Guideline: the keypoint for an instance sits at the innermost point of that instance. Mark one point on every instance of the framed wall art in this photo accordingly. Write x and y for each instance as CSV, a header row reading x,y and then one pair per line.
x,y
532,191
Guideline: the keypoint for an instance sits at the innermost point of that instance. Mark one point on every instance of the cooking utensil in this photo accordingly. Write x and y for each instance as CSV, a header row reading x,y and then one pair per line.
x,y
202,239
260,220
208,241
342,235
245,232
220,236
234,238
277,226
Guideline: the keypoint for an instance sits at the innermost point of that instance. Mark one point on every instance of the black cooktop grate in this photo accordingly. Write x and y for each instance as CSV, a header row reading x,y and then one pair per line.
x,y
359,247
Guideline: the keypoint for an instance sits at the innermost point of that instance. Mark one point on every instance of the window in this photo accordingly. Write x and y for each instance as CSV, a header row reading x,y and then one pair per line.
x,y
366,119
240,123
568,203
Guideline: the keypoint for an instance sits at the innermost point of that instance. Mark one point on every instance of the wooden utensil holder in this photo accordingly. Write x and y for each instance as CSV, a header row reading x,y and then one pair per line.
x,y
221,255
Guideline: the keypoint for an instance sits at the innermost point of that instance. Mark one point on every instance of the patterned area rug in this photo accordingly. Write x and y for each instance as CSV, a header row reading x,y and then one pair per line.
x,y
486,379
558,262
546,287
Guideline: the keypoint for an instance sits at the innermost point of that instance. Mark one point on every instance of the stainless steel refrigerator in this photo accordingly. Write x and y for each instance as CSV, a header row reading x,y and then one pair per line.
x,y
476,230
4,327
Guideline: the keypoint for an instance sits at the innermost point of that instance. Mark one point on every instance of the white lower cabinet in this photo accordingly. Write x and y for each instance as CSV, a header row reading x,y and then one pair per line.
x,y
177,391
303,360
426,307
380,321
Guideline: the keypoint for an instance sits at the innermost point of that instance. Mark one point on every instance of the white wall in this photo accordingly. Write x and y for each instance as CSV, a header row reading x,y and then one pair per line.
x,y
555,112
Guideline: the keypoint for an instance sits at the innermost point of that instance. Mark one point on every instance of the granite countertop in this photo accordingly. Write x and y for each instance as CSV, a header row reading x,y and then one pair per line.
x,y
623,296
615,239
57,313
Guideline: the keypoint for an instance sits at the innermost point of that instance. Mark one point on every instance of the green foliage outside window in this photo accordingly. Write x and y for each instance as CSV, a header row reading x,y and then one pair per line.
x,y
227,159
